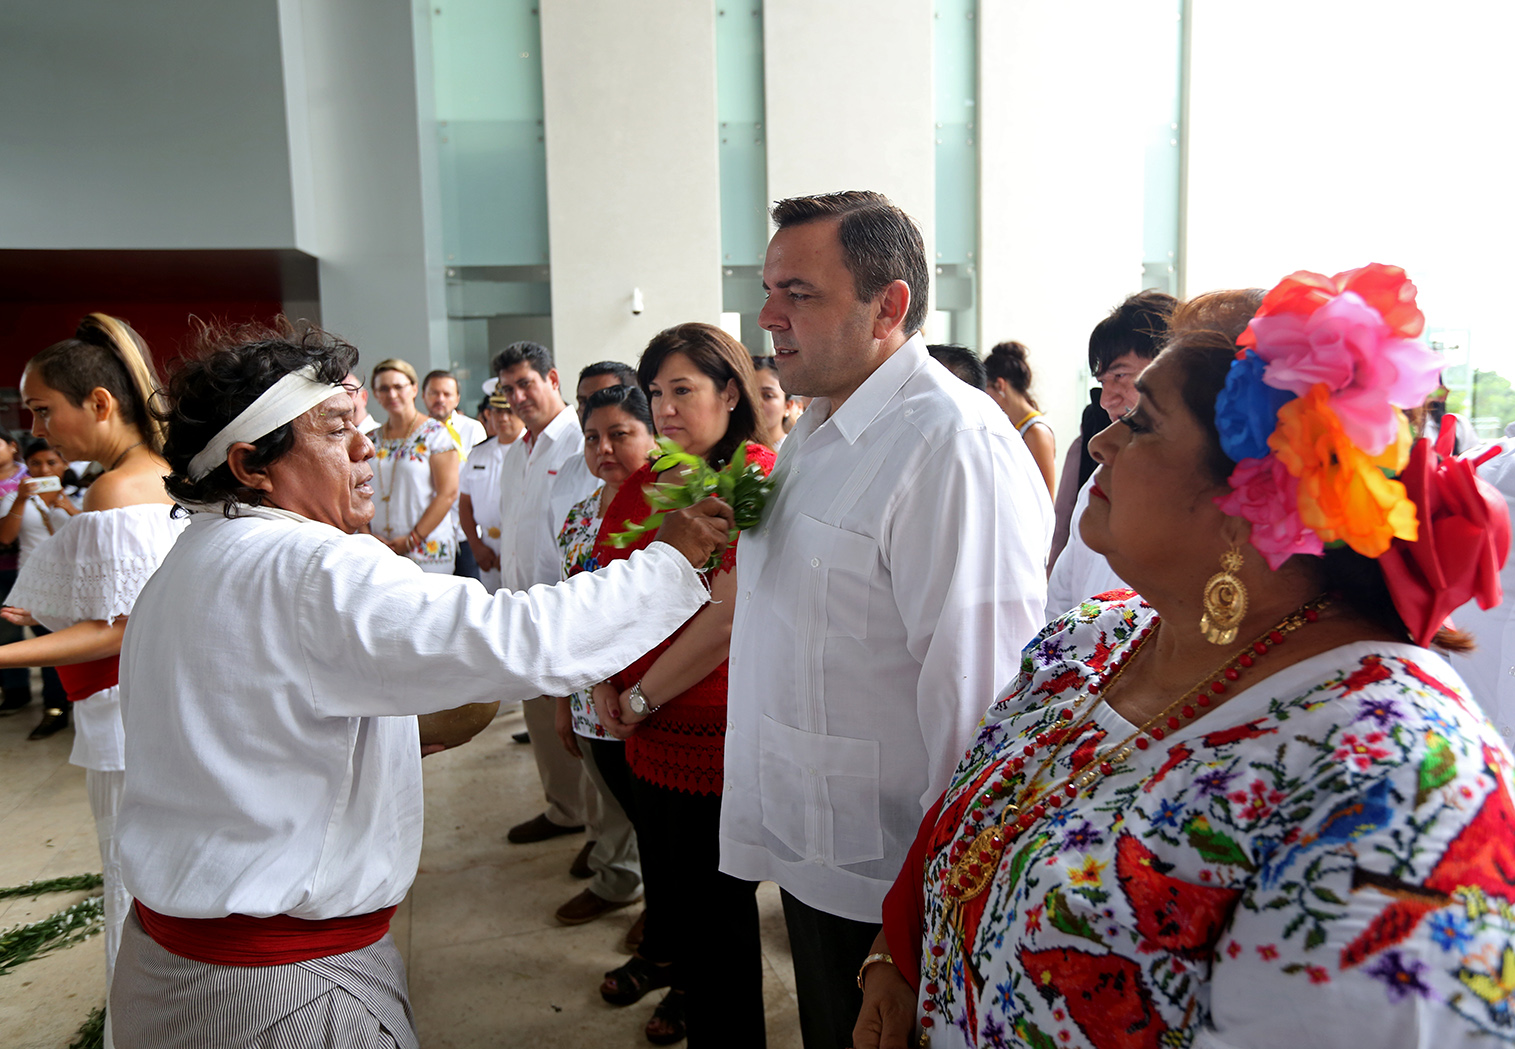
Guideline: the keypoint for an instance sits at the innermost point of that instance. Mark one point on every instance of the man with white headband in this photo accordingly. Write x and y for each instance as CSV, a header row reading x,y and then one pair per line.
x,y
271,817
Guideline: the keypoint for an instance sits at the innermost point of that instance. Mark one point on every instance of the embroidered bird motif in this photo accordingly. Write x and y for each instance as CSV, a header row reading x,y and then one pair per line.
x,y
1371,670
1345,824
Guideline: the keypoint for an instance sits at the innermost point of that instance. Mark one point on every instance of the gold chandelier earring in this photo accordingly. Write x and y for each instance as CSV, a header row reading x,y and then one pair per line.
x,y
1225,600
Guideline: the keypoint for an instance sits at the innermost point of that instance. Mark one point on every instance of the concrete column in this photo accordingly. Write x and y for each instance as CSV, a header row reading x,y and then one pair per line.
x,y
633,178
359,157
848,93
1061,173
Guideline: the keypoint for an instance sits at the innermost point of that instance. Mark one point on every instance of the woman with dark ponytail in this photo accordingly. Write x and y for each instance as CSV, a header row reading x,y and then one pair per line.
x,y
91,397
1010,386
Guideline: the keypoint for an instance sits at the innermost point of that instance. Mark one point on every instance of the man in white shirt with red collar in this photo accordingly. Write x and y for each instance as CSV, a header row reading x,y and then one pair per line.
x,y
884,600
532,507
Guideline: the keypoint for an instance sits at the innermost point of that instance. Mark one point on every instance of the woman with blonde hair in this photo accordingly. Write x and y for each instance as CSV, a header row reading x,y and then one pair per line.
x,y
415,474
90,396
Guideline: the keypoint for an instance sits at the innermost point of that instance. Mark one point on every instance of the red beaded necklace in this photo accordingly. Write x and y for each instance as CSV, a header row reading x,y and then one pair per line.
x,y
973,865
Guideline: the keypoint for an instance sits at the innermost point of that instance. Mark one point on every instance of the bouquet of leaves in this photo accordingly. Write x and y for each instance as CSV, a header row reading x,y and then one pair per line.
x,y
739,484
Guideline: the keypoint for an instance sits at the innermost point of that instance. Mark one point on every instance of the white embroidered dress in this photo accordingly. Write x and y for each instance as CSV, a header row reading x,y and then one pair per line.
x,y
94,568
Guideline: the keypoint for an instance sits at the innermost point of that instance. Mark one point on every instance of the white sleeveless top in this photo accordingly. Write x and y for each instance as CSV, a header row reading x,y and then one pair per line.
x,y
94,568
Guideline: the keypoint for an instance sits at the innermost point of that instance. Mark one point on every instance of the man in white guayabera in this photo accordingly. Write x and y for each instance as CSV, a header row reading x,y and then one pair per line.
x,y
896,573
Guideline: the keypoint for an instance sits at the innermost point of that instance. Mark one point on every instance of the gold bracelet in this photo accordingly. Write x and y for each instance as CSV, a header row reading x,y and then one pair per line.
x,y
872,959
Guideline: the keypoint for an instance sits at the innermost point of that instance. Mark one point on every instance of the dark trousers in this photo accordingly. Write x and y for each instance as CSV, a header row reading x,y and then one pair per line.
x,y
710,918
610,759
827,951
465,564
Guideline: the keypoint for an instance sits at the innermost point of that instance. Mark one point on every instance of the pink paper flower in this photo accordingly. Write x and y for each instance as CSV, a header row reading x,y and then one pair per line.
x,y
1265,493
1346,345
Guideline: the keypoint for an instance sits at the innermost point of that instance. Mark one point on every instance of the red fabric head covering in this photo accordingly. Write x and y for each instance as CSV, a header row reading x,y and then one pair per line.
x,y
1463,541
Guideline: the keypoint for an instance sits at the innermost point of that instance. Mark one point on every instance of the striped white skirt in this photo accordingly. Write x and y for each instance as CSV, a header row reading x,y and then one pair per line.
x,y
356,1000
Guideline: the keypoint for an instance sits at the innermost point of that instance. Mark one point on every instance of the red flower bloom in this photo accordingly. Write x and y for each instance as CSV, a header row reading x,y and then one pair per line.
x,y
1462,542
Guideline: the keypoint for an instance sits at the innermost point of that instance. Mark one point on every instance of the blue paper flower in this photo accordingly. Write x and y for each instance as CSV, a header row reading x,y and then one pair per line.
x,y
1246,412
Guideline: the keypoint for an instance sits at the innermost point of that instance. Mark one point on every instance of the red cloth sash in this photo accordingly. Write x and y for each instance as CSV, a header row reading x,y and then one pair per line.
x,y
83,680
239,939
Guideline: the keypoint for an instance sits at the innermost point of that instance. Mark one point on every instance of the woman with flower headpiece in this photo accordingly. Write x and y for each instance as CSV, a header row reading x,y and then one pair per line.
x,y
1251,806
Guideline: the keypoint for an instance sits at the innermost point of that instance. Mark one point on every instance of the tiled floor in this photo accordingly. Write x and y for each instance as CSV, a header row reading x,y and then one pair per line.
x,y
488,964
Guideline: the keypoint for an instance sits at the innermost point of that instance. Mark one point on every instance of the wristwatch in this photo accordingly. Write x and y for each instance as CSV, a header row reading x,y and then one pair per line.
x,y
638,702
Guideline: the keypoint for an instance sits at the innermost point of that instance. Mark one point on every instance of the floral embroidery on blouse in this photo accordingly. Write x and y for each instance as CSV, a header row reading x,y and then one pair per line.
x,y
1332,851
576,540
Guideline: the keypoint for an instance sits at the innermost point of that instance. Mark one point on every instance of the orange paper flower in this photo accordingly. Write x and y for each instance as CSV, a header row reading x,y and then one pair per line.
x,y
1344,494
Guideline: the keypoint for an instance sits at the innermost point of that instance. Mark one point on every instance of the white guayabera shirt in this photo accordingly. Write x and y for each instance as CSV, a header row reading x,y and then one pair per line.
x,y
882,605
268,673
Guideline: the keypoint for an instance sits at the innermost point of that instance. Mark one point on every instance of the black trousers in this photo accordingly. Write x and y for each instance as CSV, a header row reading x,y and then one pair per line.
x,y
610,759
710,919
827,951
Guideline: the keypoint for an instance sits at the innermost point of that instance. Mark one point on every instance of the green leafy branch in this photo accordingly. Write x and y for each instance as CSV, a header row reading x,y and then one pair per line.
x,y
739,484
73,883
64,929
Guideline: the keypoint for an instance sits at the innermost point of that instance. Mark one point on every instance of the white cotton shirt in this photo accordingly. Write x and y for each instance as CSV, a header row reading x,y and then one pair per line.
x,y
531,513
882,604
479,479
1079,573
268,678
94,568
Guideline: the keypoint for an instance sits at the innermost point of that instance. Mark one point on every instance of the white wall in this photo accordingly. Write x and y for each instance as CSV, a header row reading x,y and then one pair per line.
x,y
848,93
358,155
1062,174
142,125
633,179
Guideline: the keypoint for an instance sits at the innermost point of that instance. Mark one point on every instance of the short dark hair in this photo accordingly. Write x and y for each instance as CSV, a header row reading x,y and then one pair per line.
x,y
880,243
1138,325
532,353
30,446
630,399
440,373
227,369
962,362
623,372
720,357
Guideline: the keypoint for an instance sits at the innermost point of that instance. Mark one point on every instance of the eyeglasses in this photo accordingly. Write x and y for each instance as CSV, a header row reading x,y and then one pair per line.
x,y
397,387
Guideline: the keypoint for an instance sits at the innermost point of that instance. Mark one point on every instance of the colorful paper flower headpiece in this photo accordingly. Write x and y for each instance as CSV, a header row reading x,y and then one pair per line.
x,y
1311,415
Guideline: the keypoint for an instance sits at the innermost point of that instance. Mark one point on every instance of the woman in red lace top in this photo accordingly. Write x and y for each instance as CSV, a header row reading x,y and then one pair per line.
x,y
670,706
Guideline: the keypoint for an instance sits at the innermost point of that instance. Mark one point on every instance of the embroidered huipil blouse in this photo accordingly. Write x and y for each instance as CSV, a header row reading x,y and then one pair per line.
x,y
682,744
403,490
581,529
94,568
1328,859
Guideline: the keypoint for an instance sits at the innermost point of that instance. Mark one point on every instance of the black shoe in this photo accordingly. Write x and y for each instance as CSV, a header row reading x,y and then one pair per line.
x,y
15,699
538,828
521,737
54,720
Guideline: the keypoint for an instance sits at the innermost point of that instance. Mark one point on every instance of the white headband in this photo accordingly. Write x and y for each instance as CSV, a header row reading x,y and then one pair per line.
x,y
289,398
